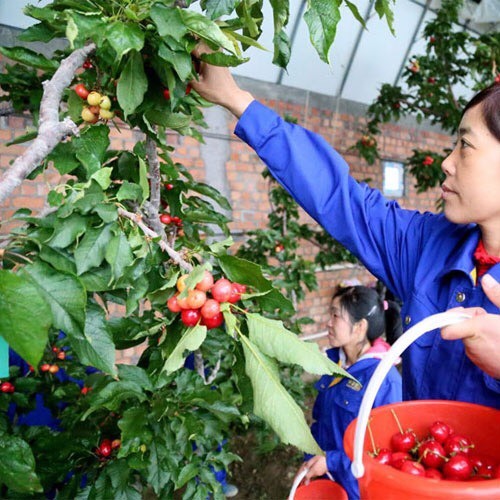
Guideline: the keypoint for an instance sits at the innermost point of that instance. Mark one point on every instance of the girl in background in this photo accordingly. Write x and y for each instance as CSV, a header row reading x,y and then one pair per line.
x,y
355,329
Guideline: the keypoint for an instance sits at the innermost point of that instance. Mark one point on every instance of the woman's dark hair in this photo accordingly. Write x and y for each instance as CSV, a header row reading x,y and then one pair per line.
x,y
490,99
361,302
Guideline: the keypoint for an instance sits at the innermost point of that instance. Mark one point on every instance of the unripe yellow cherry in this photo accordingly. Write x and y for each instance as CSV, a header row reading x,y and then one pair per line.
x,y
105,102
94,98
88,116
106,114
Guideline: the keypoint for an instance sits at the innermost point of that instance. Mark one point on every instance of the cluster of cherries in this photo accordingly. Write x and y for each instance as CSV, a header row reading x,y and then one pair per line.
x,y
52,367
428,160
106,448
99,106
196,306
442,454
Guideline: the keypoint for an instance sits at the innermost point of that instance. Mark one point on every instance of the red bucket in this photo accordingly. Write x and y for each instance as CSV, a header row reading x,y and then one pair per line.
x,y
321,489
480,423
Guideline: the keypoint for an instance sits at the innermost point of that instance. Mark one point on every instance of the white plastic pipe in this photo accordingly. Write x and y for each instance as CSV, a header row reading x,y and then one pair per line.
x,y
428,324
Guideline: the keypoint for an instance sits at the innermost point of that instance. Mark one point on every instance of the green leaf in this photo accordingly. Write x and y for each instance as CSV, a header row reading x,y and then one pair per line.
x,y
190,341
168,21
112,396
25,317
108,212
206,29
158,475
132,84
40,32
217,8
29,136
280,39
322,18
221,59
58,258
180,61
91,147
118,254
81,27
29,58
129,191
103,177
175,121
355,13
248,273
273,403
17,465
124,37
143,179
95,347
135,430
135,374
383,8
274,340
188,472
67,230
211,192
63,293
91,250
64,158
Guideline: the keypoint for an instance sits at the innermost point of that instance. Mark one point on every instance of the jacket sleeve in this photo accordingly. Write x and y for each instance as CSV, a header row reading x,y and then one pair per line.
x,y
376,230
339,467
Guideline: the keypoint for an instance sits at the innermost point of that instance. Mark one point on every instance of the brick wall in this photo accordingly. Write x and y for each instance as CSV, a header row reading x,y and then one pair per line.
x,y
338,122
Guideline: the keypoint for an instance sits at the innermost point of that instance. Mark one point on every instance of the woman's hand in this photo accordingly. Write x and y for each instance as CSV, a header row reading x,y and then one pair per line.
x,y
481,333
217,85
316,466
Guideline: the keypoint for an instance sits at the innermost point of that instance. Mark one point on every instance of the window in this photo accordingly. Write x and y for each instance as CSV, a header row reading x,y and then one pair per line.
x,y
394,178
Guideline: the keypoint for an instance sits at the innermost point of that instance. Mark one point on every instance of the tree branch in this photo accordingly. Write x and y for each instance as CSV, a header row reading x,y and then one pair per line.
x,y
175,256
51,131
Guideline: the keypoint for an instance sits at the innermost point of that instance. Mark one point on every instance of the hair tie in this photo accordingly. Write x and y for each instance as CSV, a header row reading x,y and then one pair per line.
x,y
386,305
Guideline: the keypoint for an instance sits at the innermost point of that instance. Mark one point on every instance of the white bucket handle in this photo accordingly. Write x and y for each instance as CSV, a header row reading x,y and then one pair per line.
x,y
428,324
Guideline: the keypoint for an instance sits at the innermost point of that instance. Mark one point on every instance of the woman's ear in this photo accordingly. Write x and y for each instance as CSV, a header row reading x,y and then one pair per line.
x,y
360,328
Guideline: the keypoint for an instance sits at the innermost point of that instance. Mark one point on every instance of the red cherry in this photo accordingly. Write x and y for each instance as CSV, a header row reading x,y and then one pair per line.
x,y
428,160
7,387
396,105
87,64
457,468
81,91
431,454
210,309
45,367
116,443
497,78
431,79
206,282
105,448
496,472
483,465
440,431
414,468
53,369
173,305
213,322
169,187
190,317
457,443
433,474
85,390
384,456
403,441
398,458
235,294
166,94
55,349
188,89
221,291
165,219
432,39
61,355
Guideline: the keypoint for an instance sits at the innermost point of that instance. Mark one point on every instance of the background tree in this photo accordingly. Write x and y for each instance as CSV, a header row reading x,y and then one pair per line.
x,y
122,230
435,87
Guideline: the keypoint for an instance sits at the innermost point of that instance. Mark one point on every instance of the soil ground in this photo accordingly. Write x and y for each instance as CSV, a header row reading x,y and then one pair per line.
x,y
260,476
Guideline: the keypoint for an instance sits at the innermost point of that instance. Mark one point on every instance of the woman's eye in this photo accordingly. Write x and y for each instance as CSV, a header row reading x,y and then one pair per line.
x,y
463,144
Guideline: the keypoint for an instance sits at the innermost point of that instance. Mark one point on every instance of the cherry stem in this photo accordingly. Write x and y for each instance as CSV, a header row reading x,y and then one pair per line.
x,y
397,420
372,439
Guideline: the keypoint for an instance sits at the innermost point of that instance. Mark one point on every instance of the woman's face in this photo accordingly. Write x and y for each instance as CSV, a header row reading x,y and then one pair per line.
x,y
339,325
471,190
